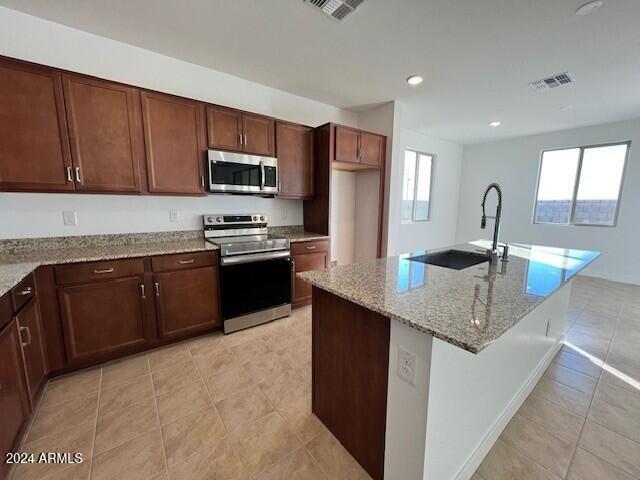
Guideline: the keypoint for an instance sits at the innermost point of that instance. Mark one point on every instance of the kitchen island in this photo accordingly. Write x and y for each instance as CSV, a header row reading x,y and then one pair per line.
x,y
417,368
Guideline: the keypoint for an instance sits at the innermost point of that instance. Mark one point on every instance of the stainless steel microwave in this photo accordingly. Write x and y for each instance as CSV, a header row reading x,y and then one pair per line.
x,y
239,173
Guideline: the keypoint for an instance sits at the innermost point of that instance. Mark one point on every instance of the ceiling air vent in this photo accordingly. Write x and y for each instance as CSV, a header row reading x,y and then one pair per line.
x,y
336,9
552,82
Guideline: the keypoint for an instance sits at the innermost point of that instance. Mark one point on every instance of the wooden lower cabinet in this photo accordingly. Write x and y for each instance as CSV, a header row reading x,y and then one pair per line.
x,y
306,256
186,301
14,396
104,319
30,328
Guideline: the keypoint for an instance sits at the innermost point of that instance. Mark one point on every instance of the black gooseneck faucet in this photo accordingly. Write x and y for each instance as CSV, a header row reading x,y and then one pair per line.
x,y
483,222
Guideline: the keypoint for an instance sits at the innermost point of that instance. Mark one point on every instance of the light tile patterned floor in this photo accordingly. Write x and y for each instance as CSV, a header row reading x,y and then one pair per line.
x,y
582,420
238,407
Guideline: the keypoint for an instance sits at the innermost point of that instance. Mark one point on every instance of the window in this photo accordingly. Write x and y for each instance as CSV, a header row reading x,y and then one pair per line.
x,y
581,186
416,186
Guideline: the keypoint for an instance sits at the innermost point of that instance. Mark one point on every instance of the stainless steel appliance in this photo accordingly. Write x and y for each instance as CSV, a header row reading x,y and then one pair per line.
x,y
255,270
238,173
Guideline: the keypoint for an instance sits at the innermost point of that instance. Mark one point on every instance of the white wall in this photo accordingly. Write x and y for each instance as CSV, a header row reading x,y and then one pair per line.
x,y
440,230
37,40
514,165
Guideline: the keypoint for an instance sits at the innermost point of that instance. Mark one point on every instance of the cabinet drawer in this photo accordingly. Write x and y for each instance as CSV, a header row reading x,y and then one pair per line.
x,y
181,261
91,271
23,292
314,246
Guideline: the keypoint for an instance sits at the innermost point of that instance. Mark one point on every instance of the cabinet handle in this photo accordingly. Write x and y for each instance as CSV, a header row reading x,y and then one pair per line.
x,y
240,139
186,262
142,291
28,342
78,177
311,247
245,139
157,287
202,180
26,291
293,265
69,175
105,270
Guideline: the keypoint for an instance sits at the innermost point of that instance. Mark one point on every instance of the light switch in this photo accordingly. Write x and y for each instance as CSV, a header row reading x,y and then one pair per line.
x,y
69,218
174,216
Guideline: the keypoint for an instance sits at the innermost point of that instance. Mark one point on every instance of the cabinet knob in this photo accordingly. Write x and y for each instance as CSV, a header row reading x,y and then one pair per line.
x,y
311,247
104,270
186,262
142,291
69,175
78,177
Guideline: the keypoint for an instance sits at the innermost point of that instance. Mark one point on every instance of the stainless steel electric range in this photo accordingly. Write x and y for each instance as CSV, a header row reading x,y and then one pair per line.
x,y
255,270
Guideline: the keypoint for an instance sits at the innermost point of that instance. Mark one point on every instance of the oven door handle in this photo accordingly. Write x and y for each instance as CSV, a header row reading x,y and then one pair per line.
x,y
254,257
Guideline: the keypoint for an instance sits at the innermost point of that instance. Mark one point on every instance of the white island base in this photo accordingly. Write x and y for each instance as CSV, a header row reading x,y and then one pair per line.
x,y
442,427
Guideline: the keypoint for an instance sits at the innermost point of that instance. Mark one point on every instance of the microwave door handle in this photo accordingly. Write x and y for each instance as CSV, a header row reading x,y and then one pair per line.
x,y
261,176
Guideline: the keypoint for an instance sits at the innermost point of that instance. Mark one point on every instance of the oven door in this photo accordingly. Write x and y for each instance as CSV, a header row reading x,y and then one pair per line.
x,y
238,173
254,283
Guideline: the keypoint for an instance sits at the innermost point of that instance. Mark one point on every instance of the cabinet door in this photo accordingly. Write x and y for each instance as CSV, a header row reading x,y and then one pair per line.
x,y
347,145
224,128
104,319
174,132
259,135
34,145
106,134
30,327
14,398
302,290
187,301
371,149
295,160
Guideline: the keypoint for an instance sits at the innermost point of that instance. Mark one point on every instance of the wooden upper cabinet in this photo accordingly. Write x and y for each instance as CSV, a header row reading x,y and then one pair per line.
x,y
105,130
224,128
14,396
347,145
295,160
238,131
175,141
371,149
259,135
34,145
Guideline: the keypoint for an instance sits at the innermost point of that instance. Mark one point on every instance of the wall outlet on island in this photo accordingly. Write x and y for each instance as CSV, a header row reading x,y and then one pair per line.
x,y
174,216
69,218
407,365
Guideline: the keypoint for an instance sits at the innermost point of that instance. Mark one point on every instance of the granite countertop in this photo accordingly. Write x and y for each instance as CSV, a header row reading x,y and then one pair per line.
x,y
468,308
18,258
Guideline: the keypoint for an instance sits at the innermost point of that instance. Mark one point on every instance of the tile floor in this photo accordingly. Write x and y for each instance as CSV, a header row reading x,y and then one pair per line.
x,y
582,420
238,407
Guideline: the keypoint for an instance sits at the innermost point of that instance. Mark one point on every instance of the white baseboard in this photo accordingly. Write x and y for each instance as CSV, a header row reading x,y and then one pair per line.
x,y
476,457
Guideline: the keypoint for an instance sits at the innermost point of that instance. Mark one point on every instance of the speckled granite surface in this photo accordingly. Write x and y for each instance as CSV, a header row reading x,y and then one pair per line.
x,y
296,233
20,257
468,308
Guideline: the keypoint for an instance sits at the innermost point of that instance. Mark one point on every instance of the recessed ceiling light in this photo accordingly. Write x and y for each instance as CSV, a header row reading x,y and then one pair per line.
x,y
414,80
589,7
495,124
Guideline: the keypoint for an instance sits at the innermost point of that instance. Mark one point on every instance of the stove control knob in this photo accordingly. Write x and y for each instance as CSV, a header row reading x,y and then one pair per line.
x,y
262,218
218,219
209,219
255,218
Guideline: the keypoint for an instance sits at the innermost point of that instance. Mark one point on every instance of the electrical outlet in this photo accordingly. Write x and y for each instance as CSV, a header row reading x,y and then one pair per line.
x,y
174,216
69,218
407,365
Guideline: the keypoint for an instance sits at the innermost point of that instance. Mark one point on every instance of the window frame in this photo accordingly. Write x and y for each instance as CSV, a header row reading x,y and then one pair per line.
x,y
415,186
576,186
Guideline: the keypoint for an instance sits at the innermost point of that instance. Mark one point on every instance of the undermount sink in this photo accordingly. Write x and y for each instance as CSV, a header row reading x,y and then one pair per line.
x,y
456,259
